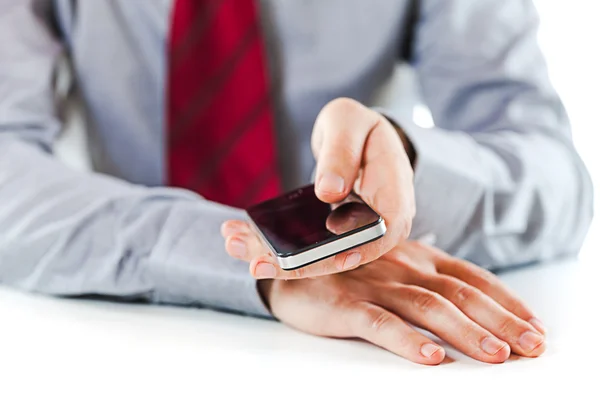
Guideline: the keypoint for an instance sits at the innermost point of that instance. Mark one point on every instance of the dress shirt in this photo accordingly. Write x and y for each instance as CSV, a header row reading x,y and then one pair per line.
x,y
497,179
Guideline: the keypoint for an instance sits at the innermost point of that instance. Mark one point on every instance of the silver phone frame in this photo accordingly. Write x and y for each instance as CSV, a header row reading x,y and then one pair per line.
x,y
326,250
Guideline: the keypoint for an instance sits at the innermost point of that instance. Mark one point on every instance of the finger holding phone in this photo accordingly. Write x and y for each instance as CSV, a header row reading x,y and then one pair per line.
x,y
357,149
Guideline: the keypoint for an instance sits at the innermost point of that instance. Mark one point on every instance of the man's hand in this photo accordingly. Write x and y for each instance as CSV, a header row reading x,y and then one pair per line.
x,y
356,148
461,303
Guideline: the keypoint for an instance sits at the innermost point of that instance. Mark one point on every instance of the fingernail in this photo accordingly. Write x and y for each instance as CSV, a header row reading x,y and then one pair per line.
x,y
351,260
429,349
238,248
492,346
537,324
331,183
530,340
265,271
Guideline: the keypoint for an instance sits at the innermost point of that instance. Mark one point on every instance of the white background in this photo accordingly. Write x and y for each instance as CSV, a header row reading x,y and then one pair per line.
x,y
569,36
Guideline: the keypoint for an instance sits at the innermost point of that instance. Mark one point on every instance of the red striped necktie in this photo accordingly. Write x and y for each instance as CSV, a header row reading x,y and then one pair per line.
x,y
221,141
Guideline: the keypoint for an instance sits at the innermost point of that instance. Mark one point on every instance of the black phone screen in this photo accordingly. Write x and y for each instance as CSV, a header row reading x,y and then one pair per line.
x,y
298,221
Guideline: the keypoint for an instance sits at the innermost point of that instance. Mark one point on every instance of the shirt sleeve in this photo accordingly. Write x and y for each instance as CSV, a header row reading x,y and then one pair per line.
x,y
64,232
497,180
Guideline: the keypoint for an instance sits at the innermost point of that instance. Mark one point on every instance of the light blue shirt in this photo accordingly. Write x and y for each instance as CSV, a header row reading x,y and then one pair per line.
x,y
497,179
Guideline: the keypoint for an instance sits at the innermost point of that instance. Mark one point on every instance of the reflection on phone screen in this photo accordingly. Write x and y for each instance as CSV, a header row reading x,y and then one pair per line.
x,y
296,221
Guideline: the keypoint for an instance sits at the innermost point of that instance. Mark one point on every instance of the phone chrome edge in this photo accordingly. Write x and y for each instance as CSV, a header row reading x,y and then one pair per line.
x,y
332,248
259,233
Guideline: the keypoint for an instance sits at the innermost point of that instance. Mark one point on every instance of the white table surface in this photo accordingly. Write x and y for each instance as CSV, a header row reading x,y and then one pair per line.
x,y
92,349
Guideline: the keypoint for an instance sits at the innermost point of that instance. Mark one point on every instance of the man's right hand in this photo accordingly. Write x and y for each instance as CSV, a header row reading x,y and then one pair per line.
x,y
461,303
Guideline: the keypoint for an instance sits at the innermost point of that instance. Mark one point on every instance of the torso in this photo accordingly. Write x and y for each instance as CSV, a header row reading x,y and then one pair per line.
x,y
318,50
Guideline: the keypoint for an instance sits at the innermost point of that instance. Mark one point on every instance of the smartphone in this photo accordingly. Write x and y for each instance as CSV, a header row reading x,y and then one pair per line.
x,y
300,229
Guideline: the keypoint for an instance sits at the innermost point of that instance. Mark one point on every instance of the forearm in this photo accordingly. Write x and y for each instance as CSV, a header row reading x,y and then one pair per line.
x,y
497,179
500,198
69,233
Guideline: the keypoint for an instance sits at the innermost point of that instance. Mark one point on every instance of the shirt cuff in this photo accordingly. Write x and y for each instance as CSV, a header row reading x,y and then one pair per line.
x,y
189,264
447,186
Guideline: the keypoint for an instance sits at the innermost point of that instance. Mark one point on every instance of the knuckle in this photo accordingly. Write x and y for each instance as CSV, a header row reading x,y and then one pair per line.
x,y
371,319
379,320
424,300
464,294
516,307
508,327
343,105
486,276
348,153
471,334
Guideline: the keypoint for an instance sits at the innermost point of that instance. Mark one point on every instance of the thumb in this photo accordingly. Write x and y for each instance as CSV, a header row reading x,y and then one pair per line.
x,y
339,136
